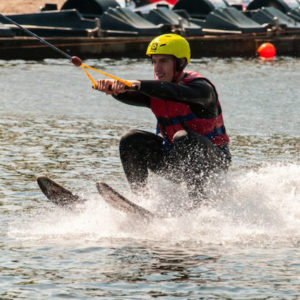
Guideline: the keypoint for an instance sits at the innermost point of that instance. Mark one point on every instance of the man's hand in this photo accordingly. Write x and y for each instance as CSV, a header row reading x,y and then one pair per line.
x,y
114,87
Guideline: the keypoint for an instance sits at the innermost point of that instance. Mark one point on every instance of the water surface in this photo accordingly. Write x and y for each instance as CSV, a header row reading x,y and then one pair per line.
x,y
244,244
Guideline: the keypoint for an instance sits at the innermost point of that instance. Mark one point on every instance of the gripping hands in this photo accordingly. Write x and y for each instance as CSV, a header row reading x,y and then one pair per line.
x,y
115,87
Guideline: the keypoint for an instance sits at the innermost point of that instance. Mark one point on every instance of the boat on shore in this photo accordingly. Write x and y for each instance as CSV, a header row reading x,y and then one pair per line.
x,y
105,29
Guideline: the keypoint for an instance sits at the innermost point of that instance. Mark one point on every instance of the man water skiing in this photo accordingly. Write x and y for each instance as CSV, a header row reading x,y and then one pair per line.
x,y
192,143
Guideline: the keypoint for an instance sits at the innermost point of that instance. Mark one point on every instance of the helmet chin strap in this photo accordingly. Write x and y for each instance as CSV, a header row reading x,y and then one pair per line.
x,y
177,70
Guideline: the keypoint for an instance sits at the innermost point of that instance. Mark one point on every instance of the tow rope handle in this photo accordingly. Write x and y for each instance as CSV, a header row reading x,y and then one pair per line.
x,y
77,62
128,84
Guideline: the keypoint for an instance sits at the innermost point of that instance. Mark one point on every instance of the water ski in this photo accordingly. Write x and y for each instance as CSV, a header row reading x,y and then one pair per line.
x,y
57,193
121,203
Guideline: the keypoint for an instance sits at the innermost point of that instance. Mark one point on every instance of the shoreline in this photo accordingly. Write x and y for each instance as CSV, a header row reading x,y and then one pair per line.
x,y
26,6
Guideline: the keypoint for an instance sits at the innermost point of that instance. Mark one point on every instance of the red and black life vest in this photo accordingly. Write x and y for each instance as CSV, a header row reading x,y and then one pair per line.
x,y
174,116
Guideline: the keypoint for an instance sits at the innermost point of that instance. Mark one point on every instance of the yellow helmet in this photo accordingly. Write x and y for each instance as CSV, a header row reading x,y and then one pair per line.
x,y
170,44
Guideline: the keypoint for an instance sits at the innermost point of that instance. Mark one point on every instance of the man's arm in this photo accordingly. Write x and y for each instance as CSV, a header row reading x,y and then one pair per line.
x,y
133,98
199,94
198,91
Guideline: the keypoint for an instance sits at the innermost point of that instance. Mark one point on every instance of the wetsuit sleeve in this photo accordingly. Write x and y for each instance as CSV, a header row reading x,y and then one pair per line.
x,y
134,98
199,94
198,91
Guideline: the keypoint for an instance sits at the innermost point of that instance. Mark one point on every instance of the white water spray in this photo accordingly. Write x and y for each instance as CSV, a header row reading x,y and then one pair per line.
x,y
254,206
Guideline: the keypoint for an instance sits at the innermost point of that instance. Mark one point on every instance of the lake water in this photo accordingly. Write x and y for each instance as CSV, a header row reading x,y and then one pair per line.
x,y
245,244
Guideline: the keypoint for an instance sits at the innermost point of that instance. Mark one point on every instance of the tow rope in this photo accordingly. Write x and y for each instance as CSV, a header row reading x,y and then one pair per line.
x,y
74,59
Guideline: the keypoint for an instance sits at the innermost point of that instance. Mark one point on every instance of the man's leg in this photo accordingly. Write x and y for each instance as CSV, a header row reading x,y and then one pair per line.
x,y
199,158
192,159
140,151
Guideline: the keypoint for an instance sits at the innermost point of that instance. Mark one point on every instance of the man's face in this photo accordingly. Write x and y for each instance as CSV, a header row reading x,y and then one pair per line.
x,y
163,66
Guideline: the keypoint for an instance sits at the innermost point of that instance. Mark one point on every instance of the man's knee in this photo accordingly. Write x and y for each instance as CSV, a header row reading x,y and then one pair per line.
x,y
130,138
193,139
179,136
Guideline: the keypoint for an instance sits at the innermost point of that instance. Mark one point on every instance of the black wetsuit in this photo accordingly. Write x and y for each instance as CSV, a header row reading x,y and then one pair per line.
x,y
192,157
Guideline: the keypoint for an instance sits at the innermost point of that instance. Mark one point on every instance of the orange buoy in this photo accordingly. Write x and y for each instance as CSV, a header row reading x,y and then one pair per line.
x,y
266,50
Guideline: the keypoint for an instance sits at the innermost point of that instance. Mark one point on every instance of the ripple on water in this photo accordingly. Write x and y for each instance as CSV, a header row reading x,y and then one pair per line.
x,y
244,243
